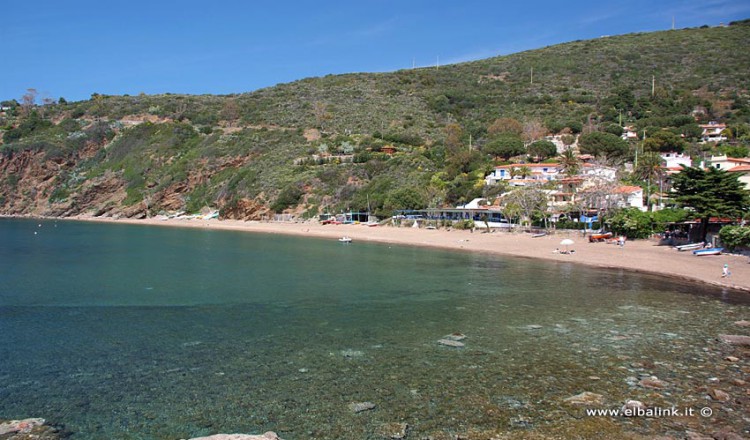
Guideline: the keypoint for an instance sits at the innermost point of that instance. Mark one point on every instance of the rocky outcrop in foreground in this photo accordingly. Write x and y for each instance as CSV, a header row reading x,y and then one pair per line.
x,y
36,429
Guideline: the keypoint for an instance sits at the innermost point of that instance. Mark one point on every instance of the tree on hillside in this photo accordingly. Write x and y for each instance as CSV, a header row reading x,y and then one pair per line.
x,y
568,139
230,112
691,132
664,141
533,130
406,198
542,149
321,113
710,193
505,126
504,146
28,101
602,144
454,134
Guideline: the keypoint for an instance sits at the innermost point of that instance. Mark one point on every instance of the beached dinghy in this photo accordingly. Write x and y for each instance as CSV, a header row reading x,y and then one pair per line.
x,y
689,247
709,251
345,239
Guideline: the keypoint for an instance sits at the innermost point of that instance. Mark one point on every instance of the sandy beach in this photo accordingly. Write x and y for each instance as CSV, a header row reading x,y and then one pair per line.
x,y
640,255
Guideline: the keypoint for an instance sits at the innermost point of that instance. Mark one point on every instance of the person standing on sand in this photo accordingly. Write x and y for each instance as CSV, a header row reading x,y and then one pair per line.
x,y
725,271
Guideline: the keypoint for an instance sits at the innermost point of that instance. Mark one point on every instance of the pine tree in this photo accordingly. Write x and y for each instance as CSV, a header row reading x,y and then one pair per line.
x,y
710,193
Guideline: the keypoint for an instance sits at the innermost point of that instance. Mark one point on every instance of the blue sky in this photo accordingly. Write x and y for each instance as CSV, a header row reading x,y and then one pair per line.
x,y
74,48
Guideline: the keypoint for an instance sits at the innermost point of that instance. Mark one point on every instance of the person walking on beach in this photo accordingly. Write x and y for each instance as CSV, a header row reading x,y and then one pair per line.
x,y
725,271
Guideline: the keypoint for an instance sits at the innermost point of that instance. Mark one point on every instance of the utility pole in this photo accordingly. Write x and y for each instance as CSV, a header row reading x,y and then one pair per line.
x,y
532,75
469,141
653,85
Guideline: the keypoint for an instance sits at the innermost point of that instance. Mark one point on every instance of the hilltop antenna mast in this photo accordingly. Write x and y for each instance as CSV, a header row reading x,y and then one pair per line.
x,y
437,64
673,22
413,63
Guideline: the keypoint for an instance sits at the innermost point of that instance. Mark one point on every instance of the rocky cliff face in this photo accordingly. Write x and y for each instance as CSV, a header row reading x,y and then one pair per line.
x,y
32,184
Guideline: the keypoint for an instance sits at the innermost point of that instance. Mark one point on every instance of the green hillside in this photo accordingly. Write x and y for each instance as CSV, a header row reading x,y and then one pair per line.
x,y
407,139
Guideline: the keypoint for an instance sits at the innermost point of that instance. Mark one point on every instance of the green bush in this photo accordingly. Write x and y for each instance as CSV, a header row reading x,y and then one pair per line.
x,y
289,196
464,224
735,236
60,194
634,223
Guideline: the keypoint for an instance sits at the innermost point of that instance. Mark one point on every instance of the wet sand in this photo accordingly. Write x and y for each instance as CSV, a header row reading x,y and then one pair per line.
x,y
638,255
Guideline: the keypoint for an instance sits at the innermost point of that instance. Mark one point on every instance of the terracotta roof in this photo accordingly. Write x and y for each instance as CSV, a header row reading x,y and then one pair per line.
x,y
628,189
740,169
591,165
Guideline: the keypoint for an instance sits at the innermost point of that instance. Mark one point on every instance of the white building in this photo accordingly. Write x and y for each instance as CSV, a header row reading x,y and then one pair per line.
x,y
513,174
675,160
726,163
713,132
601,172
630,197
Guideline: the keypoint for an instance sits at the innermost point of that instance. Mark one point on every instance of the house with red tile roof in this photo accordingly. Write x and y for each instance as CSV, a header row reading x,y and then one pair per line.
x,y
629,197
726,163
743,172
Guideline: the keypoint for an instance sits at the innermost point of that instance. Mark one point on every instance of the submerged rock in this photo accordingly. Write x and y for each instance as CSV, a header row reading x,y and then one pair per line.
x,y
270,435
455,336
631,408
393,431
735,339
586,398
521,423
717,394
652,382
726,435
692,435
450,343
352,353
358,407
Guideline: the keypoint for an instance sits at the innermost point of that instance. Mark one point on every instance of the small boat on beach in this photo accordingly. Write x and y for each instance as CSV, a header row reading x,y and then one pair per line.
x,y
689,247
709,251
602,236
345,239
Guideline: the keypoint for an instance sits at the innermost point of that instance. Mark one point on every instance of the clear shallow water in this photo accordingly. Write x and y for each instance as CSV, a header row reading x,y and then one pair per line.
x,y
129,332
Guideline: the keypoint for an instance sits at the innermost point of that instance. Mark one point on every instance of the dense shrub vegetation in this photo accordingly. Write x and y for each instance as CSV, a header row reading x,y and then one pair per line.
x,y
407,139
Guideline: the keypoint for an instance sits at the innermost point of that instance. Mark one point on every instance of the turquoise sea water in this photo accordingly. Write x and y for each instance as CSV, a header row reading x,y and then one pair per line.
x,y
130,332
